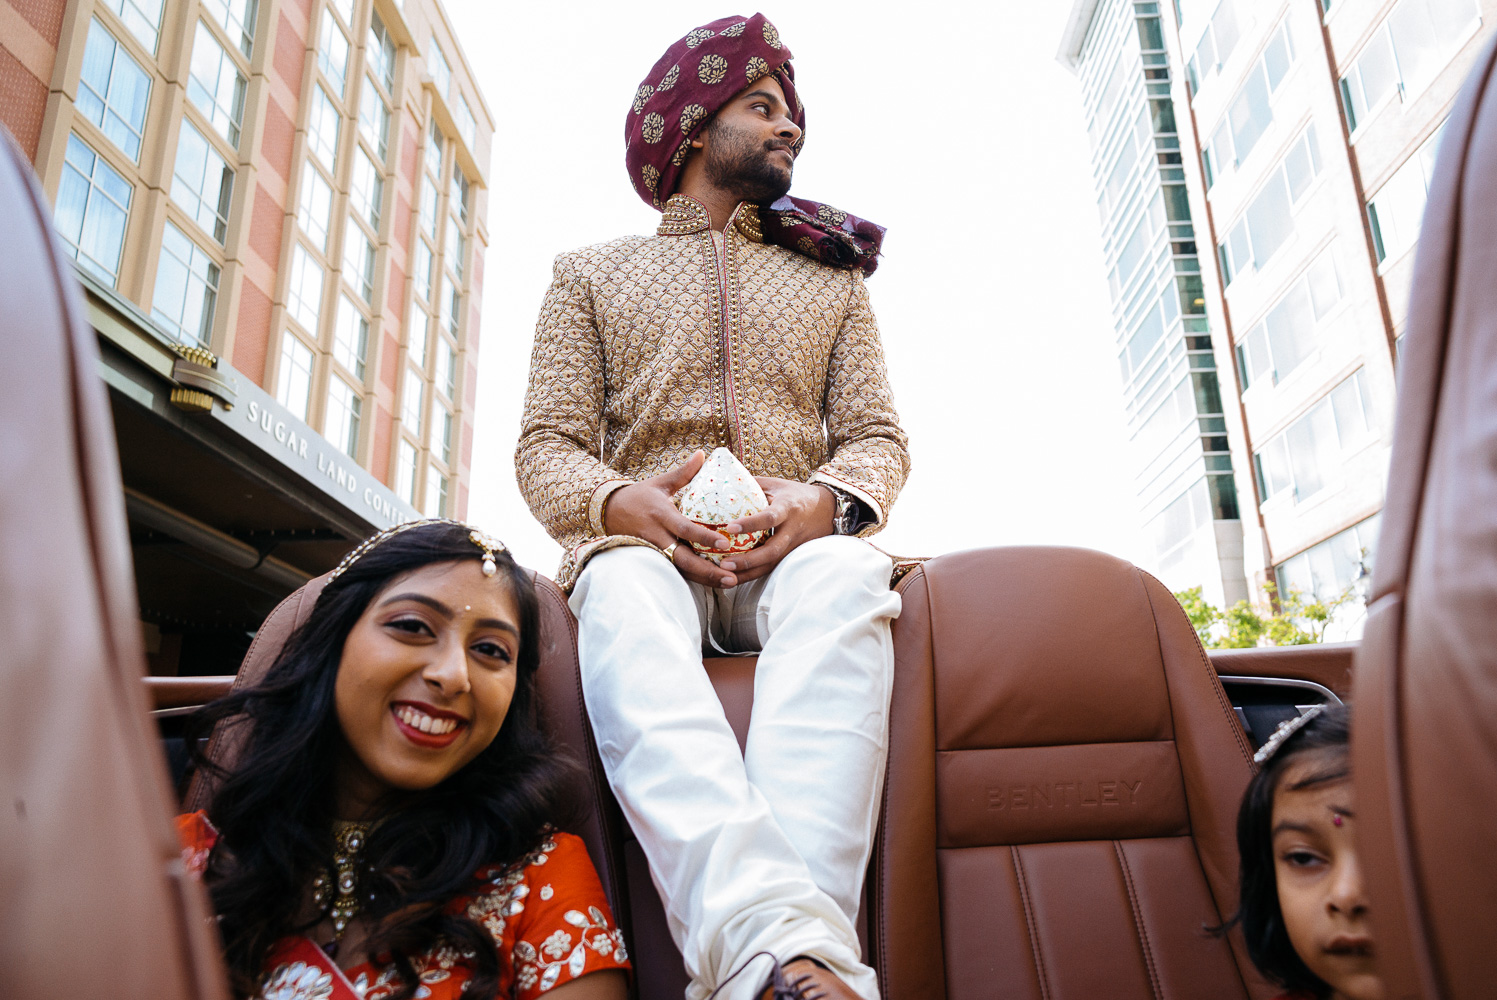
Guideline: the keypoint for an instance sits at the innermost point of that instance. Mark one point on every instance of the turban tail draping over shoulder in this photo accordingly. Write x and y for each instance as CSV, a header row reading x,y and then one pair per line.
x,y
695,78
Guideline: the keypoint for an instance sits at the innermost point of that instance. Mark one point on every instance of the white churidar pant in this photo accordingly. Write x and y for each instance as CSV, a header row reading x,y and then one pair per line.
x,y
764,851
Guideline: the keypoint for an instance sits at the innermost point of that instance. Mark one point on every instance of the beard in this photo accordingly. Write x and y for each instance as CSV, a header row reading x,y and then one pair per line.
x,y
737,163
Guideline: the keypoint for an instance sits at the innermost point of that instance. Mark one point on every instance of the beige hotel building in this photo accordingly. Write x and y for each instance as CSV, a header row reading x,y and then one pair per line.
x,y
1294,140
277,212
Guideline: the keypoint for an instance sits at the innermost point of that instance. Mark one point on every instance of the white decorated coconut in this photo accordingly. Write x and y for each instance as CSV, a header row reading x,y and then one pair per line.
x,y
723,491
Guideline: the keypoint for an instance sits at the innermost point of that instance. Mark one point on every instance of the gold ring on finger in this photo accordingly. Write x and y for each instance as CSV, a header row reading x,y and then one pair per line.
x,y
670,550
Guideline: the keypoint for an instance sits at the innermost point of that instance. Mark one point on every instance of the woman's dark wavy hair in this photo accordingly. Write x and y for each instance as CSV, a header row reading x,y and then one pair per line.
x,y
274,807
1328,736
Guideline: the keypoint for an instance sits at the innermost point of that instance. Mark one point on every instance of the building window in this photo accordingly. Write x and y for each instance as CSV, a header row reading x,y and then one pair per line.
x,y
411,400
358,260
457,194
215,85
1286,335
1334,566
1397,210
304,291
142,17
351,338
381,53
1216,44
1250,111
238,20
1302,460
374,119
113,91
1407,51
447,367
428,207
436,493
344,9
421,266
186,288
434,143
1268,221
294,381
405,471
314,209
443,428
366,189
202,182
323,125
93,205
343,407
466,126
456,245
436,65
449,301
416,349
332,53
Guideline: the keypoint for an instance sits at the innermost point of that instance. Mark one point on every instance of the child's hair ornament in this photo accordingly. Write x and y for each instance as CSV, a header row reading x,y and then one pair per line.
x,y
1286,729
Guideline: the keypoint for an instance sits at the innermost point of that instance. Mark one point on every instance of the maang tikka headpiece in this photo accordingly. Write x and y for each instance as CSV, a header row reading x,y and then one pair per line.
x,y
490,545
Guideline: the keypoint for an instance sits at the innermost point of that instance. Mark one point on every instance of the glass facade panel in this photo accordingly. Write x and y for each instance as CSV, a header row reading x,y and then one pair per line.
x,y
436,65
186,288
436,493
405,471
1397,210
314,210
323,126
1338,564
457,194
304,290
447,368
142,17
202,182
344,405
238,20
411,400
456,248
332,53
467,127
294,380
358,260
416,348
429,203
443,427
113,90
215,84
366,189
421,269
381,53
93,205
350,337
374,119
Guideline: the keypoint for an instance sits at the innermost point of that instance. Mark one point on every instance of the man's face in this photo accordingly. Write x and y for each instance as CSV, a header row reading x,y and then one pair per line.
x,y
747,146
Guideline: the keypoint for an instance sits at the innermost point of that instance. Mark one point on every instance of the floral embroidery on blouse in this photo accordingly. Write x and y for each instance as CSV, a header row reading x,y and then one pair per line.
x,y
546,937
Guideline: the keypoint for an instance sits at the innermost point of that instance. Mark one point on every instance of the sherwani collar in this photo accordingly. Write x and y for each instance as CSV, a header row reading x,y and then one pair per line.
x,y
684,215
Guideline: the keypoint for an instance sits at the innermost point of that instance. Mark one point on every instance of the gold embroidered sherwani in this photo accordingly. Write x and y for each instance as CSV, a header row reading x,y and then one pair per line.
x,y
650,347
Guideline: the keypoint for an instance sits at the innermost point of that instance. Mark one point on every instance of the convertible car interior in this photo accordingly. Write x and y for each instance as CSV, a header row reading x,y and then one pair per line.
x,y
1066,760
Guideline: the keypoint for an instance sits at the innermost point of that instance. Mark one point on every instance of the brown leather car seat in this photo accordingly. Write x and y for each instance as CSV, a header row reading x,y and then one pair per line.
x,y
94,900
1424,721
1062,790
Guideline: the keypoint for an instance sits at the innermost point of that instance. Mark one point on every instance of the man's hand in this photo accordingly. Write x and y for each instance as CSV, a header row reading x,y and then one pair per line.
x,y
798,512
645,510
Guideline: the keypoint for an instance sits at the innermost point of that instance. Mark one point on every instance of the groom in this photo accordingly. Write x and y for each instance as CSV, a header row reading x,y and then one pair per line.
x,y
743,323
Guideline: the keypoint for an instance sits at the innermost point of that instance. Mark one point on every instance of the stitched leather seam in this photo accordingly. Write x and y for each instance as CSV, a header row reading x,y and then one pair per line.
x,y
1216,685
1138,920
1034,937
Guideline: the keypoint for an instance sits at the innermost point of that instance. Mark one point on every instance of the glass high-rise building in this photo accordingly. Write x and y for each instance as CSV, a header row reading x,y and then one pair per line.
x,y
1306,135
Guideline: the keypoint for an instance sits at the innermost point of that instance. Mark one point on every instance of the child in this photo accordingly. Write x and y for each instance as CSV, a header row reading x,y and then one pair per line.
x,y
1304,912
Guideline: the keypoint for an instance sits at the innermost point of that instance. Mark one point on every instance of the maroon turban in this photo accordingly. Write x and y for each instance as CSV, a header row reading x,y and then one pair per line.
x,y
695,78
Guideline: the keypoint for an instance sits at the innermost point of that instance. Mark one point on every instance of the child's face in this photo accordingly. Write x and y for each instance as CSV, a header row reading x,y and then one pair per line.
x,y
1320,880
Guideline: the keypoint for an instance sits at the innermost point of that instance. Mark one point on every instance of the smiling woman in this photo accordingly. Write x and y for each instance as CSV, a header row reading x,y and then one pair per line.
x,y
386,832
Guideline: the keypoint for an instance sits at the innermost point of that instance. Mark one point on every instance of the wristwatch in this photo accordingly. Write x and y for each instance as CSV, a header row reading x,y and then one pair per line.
x,y
848,518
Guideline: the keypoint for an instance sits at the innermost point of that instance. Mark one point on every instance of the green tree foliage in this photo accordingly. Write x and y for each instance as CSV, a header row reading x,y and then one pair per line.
x,y
1290,619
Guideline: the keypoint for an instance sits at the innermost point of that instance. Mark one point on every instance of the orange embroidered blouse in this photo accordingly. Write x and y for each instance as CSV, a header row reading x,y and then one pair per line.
x,y
547,913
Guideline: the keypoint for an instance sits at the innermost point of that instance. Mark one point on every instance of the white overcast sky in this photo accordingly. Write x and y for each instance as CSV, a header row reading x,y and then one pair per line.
x,y
950,124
